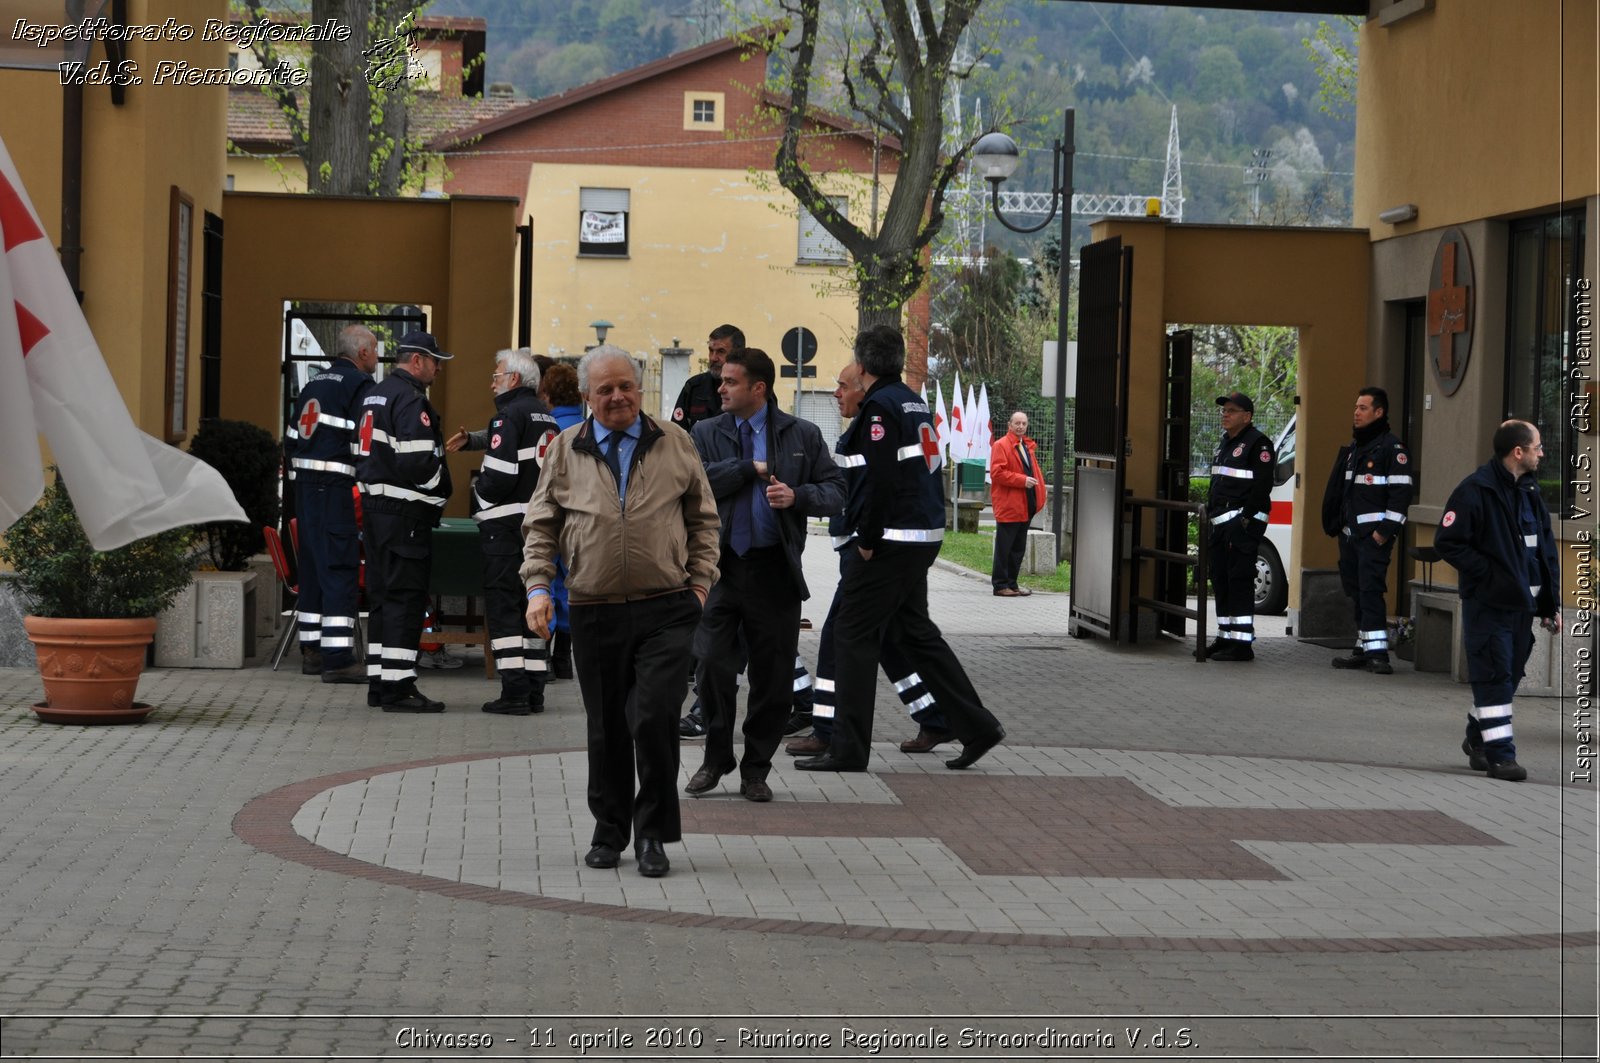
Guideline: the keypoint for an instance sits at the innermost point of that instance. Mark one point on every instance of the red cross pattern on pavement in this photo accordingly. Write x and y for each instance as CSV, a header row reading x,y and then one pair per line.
x,y
1096,827
930,445
1447,311
308,418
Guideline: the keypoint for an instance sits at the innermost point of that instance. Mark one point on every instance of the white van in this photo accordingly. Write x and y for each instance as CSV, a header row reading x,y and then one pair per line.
x,y
1272,585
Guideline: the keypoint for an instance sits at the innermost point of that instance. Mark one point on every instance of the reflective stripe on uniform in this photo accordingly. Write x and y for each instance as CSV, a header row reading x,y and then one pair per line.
x,y
313,465
913,535
903,685
412,446
1229,470
1382,514
509,509
849,461
500,465
402,494
1223,518
842,541
1374,481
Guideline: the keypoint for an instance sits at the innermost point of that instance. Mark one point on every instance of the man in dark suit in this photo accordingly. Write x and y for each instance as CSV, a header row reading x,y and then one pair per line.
x,y
769,472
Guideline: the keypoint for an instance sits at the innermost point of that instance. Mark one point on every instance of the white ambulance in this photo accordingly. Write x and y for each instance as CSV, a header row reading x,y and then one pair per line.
x,y
1272,560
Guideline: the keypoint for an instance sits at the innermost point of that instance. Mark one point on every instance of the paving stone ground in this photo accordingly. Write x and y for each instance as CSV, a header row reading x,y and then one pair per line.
x,y
269,869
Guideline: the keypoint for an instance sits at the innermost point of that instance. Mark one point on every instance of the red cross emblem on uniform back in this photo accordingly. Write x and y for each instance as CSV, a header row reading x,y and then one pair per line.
x,y
930,445
365,433
308,418
544,445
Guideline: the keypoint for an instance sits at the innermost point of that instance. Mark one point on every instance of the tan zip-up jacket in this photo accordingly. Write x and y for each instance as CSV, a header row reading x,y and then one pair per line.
x,y
662,539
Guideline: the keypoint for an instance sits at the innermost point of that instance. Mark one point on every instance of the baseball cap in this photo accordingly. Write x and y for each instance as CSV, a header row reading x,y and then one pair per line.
x,y
418,340
1239,399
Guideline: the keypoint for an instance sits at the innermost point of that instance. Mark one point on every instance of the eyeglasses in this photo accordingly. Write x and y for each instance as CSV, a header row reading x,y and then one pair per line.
x,y
1537,446
497,376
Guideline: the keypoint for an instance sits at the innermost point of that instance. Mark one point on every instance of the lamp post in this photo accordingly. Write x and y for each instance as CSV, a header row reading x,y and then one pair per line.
x,y
996,157
600,328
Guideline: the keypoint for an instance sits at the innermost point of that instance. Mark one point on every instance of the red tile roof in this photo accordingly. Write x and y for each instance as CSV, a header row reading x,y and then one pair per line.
x,y
255,121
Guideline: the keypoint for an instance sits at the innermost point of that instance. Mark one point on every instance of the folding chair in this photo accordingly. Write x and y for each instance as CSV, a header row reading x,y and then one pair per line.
x,y
280,564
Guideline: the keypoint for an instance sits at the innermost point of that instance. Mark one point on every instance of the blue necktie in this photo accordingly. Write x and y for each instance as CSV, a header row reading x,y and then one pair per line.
x,y
741,524
614,458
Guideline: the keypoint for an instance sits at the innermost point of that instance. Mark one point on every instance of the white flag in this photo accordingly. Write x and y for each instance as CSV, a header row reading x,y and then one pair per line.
x,y
970,447
985,441
958,426
941,419
124,484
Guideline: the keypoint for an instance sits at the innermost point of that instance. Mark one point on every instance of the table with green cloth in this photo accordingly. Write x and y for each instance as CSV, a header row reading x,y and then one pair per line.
x,y
457,571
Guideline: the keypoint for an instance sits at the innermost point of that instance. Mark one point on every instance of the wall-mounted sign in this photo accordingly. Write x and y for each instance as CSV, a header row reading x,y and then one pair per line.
x,y
1450,289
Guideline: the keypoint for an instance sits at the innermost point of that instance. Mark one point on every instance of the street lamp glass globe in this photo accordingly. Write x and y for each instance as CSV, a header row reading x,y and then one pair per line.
x,y
995,156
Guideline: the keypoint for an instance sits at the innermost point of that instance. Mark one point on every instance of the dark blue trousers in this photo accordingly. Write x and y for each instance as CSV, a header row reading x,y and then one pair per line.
x,y
329,554
1498,643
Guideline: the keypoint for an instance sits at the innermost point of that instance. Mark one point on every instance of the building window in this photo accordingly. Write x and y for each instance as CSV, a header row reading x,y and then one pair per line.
x,y
818,245
603,222
1546,260
703,111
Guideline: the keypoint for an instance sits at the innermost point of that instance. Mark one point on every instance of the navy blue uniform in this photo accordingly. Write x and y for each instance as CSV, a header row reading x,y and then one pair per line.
x,y
1237,508
1496,533
899,516
698,401
1377,490
405,484
519,432
321,450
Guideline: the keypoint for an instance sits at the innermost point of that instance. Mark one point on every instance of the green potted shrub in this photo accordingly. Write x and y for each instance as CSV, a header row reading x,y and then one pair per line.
x,y
92,613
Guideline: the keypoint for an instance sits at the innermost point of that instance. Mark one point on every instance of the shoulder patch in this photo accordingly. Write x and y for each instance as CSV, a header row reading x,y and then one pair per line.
x,y
677,414
494,441
425,422
1400,458
877,432
1449,519
1266,456
1238,450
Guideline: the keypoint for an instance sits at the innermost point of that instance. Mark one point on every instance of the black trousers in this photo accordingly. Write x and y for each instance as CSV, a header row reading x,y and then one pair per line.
x,y
519,656
1232,561
629,659
1364,575
755,597
399,562
887,598
329,553
1010,545
914,693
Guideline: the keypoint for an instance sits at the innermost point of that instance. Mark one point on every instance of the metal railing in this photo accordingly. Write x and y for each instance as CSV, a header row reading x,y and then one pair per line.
x,y
1135,508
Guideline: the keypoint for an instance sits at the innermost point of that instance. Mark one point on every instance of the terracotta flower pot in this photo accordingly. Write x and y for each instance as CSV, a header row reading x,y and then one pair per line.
x,y
90,668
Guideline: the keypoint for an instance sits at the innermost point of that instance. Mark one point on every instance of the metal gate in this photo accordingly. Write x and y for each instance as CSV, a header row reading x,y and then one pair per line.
x,y
1172,479
1100,444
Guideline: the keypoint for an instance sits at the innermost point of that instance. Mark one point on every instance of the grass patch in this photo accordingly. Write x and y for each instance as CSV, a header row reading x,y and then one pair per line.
x,y
977,553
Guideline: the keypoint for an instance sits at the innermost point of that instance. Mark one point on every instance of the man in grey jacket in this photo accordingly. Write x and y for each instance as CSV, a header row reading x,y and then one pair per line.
x,y
769,472
625,501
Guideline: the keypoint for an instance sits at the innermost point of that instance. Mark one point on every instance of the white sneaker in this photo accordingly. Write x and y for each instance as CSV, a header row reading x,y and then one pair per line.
x,y
439,658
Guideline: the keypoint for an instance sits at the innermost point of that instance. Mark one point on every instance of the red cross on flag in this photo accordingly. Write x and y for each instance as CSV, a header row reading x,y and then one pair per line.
x,y
958,428
53,380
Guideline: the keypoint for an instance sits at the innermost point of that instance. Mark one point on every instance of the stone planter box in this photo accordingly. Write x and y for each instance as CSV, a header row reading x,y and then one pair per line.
x,y
211,625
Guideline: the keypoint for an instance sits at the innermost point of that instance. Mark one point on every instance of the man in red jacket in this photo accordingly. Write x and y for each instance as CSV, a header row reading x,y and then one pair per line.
x,y
1017,493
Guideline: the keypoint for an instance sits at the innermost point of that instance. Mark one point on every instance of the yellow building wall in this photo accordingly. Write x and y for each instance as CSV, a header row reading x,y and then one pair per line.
x,y
455,260
705,247
163,135
1313,279
1474,109
251,174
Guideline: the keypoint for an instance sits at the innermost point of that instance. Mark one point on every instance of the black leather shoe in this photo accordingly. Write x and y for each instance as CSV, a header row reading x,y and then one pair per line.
x,y
1507,770
507,706
755,790
536,703
704,779
806,746
374,694
827,762
928,738
653,862
354,672
409,699
1475,758
1234,651
602,857
798,721
310,662
972,751
693,725
1380,666
1216,644
1354,662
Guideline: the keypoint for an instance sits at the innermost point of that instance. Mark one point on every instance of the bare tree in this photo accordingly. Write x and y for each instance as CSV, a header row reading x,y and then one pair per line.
x,y
895,80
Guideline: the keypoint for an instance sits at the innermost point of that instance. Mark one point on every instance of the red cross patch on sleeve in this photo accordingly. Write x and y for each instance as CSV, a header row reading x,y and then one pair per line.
x,y
425,422
1449,519
1400,458
494,442
1265,456
877,433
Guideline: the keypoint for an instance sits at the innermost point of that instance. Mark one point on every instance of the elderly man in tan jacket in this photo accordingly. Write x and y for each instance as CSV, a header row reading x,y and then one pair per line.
x,y
624,499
